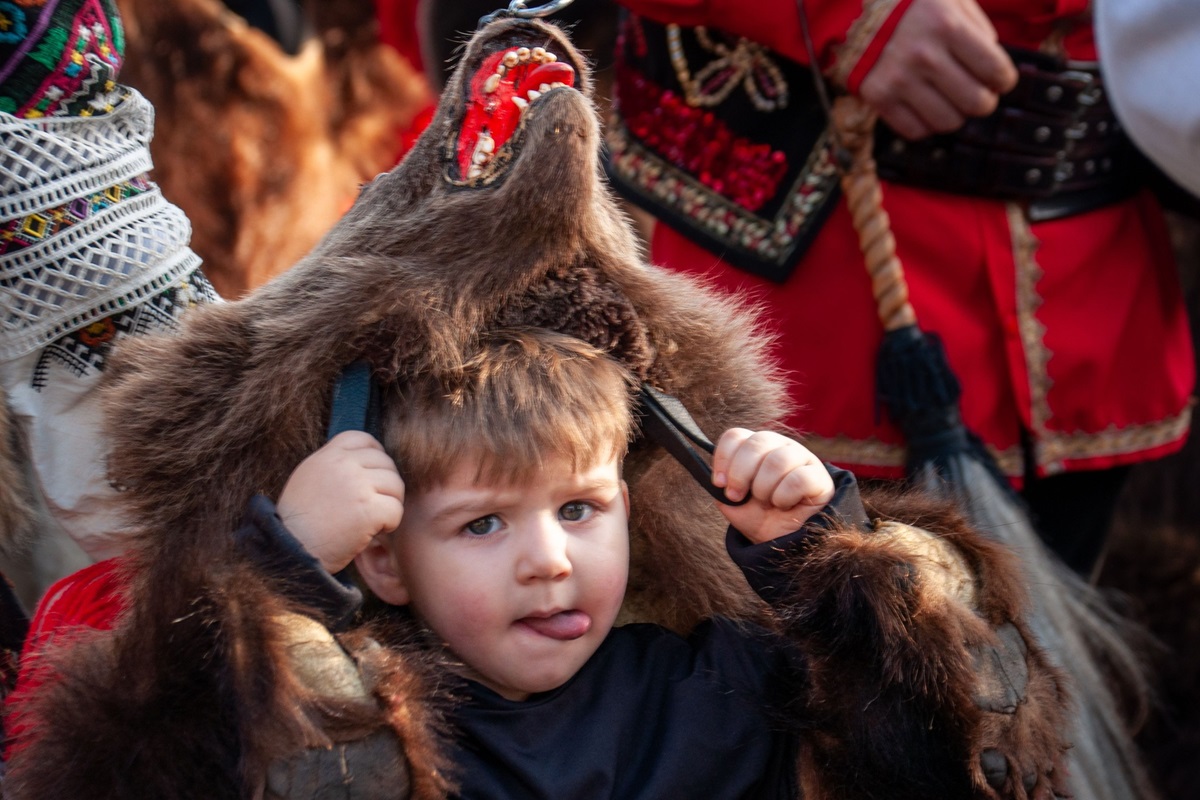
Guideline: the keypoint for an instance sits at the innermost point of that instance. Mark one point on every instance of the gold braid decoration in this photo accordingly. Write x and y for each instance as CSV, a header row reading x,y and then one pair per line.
x,y
855,123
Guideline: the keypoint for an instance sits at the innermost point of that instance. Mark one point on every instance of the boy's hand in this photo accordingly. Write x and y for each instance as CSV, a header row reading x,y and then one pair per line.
x,y
787,482
342,496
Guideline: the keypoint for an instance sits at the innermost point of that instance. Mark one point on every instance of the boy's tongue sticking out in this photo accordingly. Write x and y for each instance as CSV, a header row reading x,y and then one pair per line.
x,y
565,625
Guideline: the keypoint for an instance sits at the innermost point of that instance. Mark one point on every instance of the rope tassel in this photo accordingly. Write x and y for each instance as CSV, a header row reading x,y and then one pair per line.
x,y
919,390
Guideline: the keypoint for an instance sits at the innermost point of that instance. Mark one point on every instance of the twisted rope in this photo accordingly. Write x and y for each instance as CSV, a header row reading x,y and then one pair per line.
x,y
855,123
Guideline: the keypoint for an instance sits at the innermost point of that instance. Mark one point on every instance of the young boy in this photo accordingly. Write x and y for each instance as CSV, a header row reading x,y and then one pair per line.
x,y
896,663
508,540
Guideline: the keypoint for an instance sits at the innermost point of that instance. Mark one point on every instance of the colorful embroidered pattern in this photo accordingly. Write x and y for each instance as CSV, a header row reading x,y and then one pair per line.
x,y
722,140
12,24
771,239
118,242
37,227
59,57
699,143
84,351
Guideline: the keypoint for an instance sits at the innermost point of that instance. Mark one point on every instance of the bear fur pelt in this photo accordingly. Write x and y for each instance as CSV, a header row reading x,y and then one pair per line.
x,y
923,681
263,149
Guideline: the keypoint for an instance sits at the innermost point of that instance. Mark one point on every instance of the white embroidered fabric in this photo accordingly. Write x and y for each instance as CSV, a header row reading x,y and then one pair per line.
x,y
113,258
123,262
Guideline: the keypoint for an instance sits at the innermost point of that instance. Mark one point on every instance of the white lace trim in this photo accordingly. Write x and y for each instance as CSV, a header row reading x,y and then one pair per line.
x,y
113,259
65,189
50,161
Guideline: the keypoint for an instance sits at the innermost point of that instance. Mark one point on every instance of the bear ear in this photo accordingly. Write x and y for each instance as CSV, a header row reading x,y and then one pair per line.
x,y
377,567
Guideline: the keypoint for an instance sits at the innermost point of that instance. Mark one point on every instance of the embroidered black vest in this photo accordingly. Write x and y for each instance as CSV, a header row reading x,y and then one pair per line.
x,y
723,140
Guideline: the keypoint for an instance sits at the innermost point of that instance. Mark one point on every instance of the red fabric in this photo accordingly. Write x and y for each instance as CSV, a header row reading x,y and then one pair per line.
x,y
1092,354
878,42
398,28
775,24
90,599
1028,23
1111,310
409,136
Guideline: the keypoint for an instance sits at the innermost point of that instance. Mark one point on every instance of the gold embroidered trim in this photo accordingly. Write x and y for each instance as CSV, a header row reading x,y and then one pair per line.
x,y
859,37
1052,449
874,453
1027,274
867,452
769,239
747,63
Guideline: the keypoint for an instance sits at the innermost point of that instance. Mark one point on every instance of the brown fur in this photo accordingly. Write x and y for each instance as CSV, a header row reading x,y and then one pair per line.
x,y
262,150
418,269
407,279
177,741
892,667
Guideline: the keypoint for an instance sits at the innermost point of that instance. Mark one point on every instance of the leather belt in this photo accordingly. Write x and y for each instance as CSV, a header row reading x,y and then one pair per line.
x,y
1053,142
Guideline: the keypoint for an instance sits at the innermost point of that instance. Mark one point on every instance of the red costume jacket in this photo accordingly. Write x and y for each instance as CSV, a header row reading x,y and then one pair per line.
x,y
1073,330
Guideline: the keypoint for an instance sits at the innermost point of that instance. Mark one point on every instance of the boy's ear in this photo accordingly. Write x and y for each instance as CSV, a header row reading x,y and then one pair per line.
x,y
377,567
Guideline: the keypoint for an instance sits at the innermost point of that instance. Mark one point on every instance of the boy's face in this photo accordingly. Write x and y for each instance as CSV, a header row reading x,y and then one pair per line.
x,y
523,582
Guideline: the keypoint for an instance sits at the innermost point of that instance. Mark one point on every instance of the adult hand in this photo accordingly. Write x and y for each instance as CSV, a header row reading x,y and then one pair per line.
x,y
942,64
341,497
787,483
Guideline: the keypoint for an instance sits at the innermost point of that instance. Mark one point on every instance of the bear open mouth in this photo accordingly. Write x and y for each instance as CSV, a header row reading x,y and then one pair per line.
x,y
500,93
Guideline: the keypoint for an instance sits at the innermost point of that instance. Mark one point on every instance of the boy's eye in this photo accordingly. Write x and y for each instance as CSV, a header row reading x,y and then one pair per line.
x,y
483,526
576,511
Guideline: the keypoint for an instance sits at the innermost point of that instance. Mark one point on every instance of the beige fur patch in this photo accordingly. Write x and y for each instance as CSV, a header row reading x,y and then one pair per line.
x,y
941,566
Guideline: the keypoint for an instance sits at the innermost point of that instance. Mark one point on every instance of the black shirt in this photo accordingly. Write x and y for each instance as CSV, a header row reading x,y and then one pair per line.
x,y
650,715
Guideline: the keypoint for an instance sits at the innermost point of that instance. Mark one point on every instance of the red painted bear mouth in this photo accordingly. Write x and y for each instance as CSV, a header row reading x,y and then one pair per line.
x,y
499,95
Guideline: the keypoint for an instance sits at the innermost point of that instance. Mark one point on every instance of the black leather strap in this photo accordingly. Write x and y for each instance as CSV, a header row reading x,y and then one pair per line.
x,y
355,408
355,402
667,423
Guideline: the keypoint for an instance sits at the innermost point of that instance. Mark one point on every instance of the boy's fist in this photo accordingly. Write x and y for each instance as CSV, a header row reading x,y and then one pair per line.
x,y
340,497
787,482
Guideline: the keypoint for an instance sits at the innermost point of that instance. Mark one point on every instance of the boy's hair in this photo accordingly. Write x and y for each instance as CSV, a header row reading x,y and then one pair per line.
x,y
522,397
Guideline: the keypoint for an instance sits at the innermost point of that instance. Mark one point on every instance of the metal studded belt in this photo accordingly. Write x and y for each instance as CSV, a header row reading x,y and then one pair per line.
x,y
1053,142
